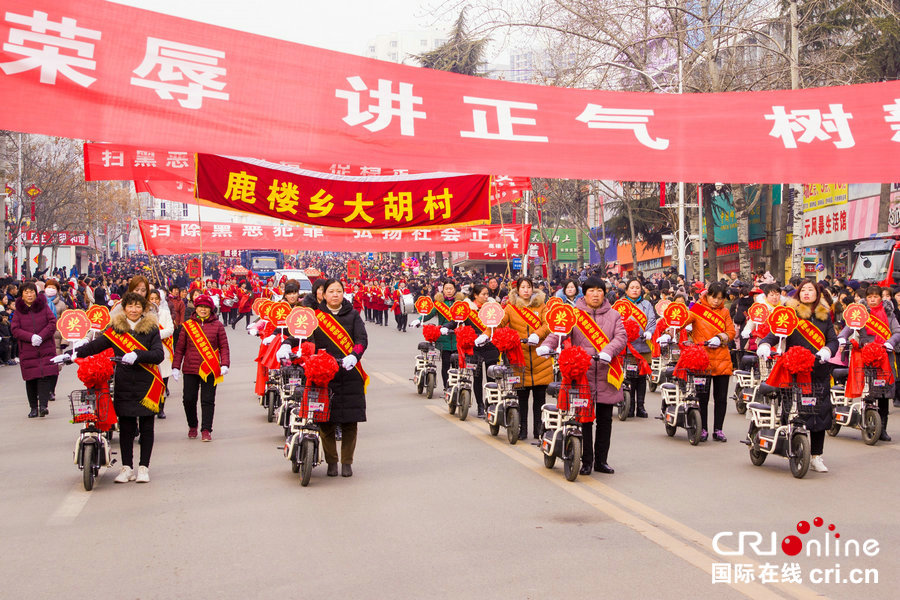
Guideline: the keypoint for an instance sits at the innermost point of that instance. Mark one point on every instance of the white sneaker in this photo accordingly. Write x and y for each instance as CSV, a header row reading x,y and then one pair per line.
x,y
817,465
143,475
125,475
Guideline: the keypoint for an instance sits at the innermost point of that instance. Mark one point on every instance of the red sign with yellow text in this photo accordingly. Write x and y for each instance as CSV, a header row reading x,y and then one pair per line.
x,y
561,318
856,316
676,314
491,314
300,196
256,304
758,313
424,305
301,322
74,325
278,313
553,301
782,321
459,311
99,317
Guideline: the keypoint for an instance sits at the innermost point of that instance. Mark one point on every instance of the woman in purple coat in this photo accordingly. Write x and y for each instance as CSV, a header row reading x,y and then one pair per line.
x,y
605,394
33,325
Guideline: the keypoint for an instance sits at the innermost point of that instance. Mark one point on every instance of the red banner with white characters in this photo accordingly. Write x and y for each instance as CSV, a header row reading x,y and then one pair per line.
x,y
74,69
180,237
321,199
164,173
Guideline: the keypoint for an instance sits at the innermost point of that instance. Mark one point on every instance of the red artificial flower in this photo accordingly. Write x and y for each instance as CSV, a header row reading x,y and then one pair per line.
x,y
431,332
320,369
693,358
574,363
507,340
873,354
95,371
632,329
799,359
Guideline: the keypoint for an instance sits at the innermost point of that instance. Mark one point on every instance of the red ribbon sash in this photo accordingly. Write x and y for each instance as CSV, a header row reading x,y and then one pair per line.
x,y
594,334
811,334
709,316
210,362
531,319
126,343
877,327
339,336
443,310
476,321
169,345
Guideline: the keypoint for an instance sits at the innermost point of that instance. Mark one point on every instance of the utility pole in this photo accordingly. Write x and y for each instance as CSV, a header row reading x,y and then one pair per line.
x,y
796,188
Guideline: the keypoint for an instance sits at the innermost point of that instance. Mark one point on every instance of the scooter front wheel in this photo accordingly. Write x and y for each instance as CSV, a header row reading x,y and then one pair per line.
x,y
270,406
695,426
549,461
464,399
420,383
572,458
87,464
512,426
799,460
739,403
624,407
429,385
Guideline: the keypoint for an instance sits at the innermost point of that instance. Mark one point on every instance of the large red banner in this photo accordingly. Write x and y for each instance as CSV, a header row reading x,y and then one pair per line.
x,y
180,237
325,200
101,71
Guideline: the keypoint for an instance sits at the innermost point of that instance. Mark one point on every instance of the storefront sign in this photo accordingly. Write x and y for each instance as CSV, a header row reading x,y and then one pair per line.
x,y
55,238
841,223
821,195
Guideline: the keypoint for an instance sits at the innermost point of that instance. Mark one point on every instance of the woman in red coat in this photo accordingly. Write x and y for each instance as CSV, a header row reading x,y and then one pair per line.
x,y
400,316
33,325
244,305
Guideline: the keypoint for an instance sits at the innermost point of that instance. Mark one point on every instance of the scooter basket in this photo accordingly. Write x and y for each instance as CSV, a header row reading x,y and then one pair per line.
x,y
577,399
317,403
810,396
290,378
89,405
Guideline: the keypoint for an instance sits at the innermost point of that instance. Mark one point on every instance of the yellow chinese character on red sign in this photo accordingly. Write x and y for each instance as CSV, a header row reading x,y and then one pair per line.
x,y
359,206
241,187
284,197
441,202
320,205
398,207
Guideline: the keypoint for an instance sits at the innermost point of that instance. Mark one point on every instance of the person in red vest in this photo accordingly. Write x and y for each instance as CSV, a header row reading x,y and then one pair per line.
x,y
202,354
244,305
229,300
400,316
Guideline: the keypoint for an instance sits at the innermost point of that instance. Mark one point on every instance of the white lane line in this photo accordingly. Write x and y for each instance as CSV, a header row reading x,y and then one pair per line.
x,y
70,508
381,377
622,508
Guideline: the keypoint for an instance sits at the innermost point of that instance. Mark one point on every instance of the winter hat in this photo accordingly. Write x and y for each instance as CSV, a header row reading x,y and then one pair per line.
x,y
204,300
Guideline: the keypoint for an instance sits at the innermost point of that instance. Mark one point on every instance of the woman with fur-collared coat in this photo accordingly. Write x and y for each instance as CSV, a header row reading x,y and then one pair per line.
x,y
810,305
132,381
525,312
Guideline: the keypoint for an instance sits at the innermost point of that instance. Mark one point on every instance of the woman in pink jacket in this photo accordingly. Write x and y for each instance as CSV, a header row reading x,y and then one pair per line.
x,y
605,394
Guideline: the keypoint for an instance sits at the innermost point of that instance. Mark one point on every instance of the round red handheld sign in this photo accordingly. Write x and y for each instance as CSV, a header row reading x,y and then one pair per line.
x,y
782,321
279,312
676,314
561,318
855,316
74,325
301,322
424,305
758,313
553,302
459,311
491,314
99,316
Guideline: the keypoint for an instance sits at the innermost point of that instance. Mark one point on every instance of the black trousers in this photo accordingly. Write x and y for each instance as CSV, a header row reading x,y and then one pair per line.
x,y
638,393
719,384
226,317
236,317
401,319
538,397
596,451
884,410
378,314
39,390
368,314
478,379
128,427
194,386
816,442
446,365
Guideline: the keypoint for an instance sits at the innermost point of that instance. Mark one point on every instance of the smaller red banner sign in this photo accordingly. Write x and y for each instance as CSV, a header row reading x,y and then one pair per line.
x,y
561,318
194,268
424,305
74,325
279,312
758,313
554,301
55,238
661,306
301,322
676,314
856,316
491,314
353,269
782,321
99,317
459,311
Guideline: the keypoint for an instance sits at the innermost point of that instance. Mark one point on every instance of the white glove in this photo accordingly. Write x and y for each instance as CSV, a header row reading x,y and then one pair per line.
x,y
745,334
59,359
533,339
349,362
764,351
604,357
415,323
36,340
842,342
224,370
648,335
176,374
444,331
664,339
714,342
824,355
481,340
268,340
129,358
253,329
79,343
690,327
889,346
542,351
284,353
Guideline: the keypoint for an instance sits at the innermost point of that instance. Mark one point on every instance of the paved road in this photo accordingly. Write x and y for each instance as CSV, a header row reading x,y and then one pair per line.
x,y
436,508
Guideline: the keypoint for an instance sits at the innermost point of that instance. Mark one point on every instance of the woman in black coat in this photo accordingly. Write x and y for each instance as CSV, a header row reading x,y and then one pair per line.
x,y
348,390
133,384
811,305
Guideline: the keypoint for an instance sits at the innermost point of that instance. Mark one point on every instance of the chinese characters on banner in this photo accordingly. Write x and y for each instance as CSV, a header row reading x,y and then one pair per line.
x,y
169,82
173,237
841,222
55,238
291,194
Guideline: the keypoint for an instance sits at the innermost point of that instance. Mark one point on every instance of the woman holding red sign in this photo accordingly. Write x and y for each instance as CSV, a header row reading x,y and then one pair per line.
x,y
525,312
203,355
712,325
443,300
815,332
33,325
643,312
486,353
882,328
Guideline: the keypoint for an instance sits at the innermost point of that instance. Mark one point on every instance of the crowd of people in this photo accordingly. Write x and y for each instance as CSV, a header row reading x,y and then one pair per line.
x,y
166,325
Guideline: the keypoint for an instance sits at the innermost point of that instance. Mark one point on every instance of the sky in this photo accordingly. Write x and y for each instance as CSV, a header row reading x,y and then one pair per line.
x,y
341,25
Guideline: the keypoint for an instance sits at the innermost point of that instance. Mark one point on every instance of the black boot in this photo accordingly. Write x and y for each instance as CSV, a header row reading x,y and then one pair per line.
x,y
162,409
641,412
33,413
43,412
884,434
585,469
